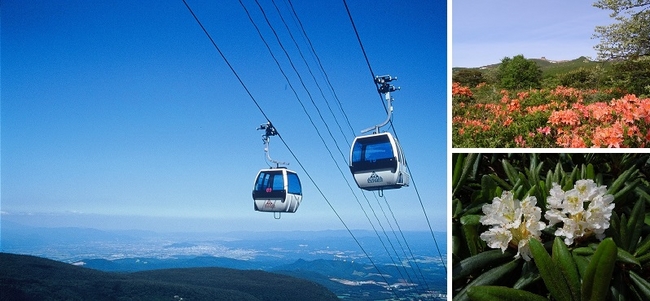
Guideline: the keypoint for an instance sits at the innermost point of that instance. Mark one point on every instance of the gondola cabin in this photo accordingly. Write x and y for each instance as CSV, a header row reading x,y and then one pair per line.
x,y
277,190
377,162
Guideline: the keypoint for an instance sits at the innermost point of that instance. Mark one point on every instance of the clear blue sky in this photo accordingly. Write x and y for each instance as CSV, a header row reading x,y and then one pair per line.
x,y
122,115
484,32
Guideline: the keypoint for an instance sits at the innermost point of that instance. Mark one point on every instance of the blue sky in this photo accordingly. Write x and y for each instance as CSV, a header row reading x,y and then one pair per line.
x,y
484,32
122,115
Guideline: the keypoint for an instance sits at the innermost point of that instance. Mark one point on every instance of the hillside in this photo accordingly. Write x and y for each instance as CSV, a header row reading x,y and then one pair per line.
x,y
25,277
550,67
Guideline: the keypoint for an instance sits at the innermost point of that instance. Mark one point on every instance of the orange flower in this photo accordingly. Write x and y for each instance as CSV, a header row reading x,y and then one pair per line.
x,y
609,137
458,90
567,117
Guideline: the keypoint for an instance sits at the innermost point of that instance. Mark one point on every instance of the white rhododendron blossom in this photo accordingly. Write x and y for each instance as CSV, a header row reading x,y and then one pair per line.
x,y
584,210
512,222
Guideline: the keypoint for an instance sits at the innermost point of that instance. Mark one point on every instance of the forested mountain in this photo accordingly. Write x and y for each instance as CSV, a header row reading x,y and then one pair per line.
x,y
25,277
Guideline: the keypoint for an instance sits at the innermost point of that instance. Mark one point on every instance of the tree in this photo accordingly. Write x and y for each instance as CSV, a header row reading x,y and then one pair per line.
x,y
468,77
519,73
581,78
632,75
630,37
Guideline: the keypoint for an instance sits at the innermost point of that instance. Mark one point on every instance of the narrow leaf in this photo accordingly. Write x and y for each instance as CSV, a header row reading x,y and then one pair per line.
x,y
529,274
644,246
618,183
458,168
584,251
590,172
562,257
598,275
511,172
626,257
501,293
635,224
642,284
550,272
581,263
620,195
501,182
467,168
489,277
477,262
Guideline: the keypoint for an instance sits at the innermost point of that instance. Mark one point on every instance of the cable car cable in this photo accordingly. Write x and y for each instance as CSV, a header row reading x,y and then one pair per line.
x,y
322,69
406,242
335,212
293,67
327,79
226,60
308,67
283,141
307,113
373,74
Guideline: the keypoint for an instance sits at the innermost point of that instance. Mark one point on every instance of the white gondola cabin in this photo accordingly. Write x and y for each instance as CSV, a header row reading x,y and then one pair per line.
x,y
377,162
277,190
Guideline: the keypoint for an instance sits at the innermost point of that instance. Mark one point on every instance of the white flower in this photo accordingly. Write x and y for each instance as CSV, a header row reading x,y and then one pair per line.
x,y
569,209
504,211
512,222
497,238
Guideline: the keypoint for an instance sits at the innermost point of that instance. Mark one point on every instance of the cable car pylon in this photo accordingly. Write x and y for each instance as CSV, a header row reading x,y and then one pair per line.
x,y
377,161
275,189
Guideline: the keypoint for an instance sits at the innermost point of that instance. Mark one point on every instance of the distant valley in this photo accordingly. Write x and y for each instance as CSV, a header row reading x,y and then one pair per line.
x,y
411,269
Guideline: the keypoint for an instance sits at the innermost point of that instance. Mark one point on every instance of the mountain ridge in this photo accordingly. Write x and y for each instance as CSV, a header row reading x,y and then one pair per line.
x,y
26,277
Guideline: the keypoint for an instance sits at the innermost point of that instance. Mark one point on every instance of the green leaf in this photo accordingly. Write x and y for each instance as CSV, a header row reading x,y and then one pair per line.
x,y
489,277
635,224
529,274
501,182
472,238
511,172
501,293
626,257
620,195
477,262
622,229
620,181
581,263
488,187
455,245
644,259
562,257
643,246
615,225
457,206
470,219
642,284
590,172
467,164
595,283
550,272
584,251
458,169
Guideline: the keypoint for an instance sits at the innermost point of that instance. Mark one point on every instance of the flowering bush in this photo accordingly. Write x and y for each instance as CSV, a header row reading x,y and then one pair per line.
x,y
558,226
560,117
460,92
